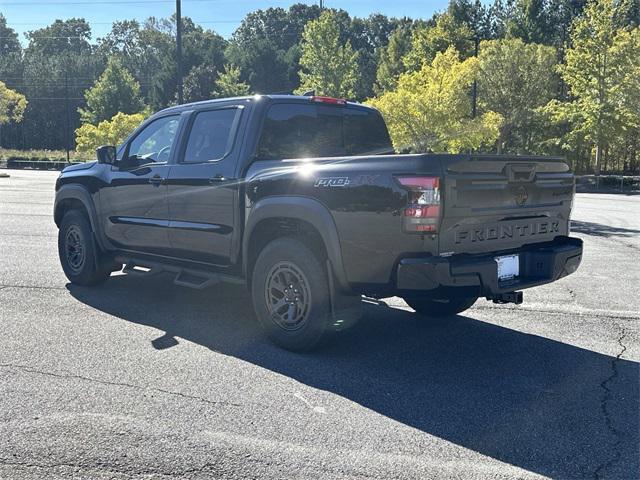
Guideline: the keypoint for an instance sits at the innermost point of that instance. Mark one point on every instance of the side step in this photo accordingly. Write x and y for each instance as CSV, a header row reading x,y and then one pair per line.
x,y
184,277
131,268
197,281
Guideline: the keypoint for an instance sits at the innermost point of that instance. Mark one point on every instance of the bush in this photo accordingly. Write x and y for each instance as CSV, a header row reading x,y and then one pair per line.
x,y
108,132
41,156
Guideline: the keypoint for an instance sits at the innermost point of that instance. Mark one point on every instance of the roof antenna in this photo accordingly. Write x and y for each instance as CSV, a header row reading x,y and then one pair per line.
x,y
309,93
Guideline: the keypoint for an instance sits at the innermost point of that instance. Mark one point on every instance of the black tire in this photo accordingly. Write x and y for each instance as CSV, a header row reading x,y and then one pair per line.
x,y
303,318
78,251
440,308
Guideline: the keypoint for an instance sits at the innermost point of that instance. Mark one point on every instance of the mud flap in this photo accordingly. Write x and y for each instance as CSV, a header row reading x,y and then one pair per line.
x,y
346,309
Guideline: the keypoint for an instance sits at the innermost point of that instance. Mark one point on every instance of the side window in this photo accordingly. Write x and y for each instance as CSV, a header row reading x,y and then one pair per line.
x,y
153,144
211,136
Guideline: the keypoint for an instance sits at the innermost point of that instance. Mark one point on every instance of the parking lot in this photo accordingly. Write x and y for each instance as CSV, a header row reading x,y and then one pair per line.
x,y
143,379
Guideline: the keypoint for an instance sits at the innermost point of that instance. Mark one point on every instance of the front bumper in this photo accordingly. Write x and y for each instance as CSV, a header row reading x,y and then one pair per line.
x,y
478,274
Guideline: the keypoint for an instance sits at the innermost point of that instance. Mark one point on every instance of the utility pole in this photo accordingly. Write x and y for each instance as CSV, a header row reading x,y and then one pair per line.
x,y
179,49
474,105
67,130
321,4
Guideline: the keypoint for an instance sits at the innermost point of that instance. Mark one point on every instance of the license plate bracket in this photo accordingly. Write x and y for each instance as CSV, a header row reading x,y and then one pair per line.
x,y
508,267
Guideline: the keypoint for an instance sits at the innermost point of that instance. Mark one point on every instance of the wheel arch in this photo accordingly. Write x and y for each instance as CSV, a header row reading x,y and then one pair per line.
x,y
77,197
274,212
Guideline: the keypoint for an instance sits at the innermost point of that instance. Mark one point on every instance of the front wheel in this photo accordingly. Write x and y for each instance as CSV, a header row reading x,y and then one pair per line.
x,y
440,308
77,251
290,292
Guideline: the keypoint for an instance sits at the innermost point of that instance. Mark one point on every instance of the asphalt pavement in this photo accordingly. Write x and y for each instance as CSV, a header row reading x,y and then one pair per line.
x,y
139,378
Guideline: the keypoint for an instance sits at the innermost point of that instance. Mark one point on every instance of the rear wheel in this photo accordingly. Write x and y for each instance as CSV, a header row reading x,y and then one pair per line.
x,y
440,308
78,252
291,295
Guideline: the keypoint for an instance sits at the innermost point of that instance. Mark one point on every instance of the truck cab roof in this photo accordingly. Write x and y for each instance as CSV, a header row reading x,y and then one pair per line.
x,y
262,98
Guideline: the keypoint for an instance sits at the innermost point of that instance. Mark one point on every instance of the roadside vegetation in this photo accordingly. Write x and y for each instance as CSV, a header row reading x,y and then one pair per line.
x,y
552,77
8,155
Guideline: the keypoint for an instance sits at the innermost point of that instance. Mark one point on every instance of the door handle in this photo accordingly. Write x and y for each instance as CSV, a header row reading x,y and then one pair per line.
x,y
156,180
217,179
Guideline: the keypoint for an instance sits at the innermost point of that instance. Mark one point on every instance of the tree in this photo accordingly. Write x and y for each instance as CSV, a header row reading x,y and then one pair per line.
x,y
474,15
265,47
12,105
9,42
368,36
515,79
601,70
431,109
390,66
199,82
530,22
428,41
228,84
62,36
10,55
115,91
328,66
107,132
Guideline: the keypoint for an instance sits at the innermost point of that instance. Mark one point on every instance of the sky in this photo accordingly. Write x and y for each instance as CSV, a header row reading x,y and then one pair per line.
x,y
223,16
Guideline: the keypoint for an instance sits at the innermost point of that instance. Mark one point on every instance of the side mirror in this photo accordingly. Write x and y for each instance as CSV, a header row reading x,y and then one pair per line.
x,y
106,154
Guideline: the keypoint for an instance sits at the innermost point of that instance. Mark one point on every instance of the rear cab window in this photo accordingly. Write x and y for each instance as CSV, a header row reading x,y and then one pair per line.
x,y
297,130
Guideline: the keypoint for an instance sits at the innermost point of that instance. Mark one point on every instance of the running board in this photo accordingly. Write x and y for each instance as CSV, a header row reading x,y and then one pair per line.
x,y
195,280
184,277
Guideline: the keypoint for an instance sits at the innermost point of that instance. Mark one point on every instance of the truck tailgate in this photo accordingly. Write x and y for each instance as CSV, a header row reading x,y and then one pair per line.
x,y
500,203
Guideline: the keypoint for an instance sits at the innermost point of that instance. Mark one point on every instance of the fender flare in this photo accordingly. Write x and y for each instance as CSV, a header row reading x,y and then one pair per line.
x,y
305,209
80,193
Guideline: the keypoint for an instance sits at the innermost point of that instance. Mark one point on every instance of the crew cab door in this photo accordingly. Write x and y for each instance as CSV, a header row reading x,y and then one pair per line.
x,y
134,203
202,190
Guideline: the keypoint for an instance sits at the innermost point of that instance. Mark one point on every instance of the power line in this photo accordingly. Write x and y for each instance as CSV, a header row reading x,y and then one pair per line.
x,y
115,21
104,2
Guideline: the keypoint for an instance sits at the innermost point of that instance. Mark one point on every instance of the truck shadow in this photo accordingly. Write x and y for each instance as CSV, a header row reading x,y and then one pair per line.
x,y
530,401
600,230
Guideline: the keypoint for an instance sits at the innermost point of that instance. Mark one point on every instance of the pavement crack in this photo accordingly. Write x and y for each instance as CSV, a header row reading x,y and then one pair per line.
x,y
26,368
604,407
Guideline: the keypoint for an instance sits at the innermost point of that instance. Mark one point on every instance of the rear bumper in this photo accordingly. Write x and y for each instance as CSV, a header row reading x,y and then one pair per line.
x,y
478,274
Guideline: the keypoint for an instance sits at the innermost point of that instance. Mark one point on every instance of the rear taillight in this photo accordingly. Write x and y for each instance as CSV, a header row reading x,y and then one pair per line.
x,y
422,213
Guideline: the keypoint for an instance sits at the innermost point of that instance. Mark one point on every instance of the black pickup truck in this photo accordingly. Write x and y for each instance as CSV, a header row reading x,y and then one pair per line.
x,y
303,200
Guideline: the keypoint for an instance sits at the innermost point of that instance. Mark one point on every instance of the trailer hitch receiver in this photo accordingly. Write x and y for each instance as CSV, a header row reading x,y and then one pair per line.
x,y
511,297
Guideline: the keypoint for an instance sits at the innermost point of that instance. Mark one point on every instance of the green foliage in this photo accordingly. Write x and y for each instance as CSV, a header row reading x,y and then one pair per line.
x,y
591,106
12,105
328,66
115,91
32,155
266,47
514,80
529,22
228,84
199,82
391,65
428,41
601,72
107,132
9,42
62,36
430,110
